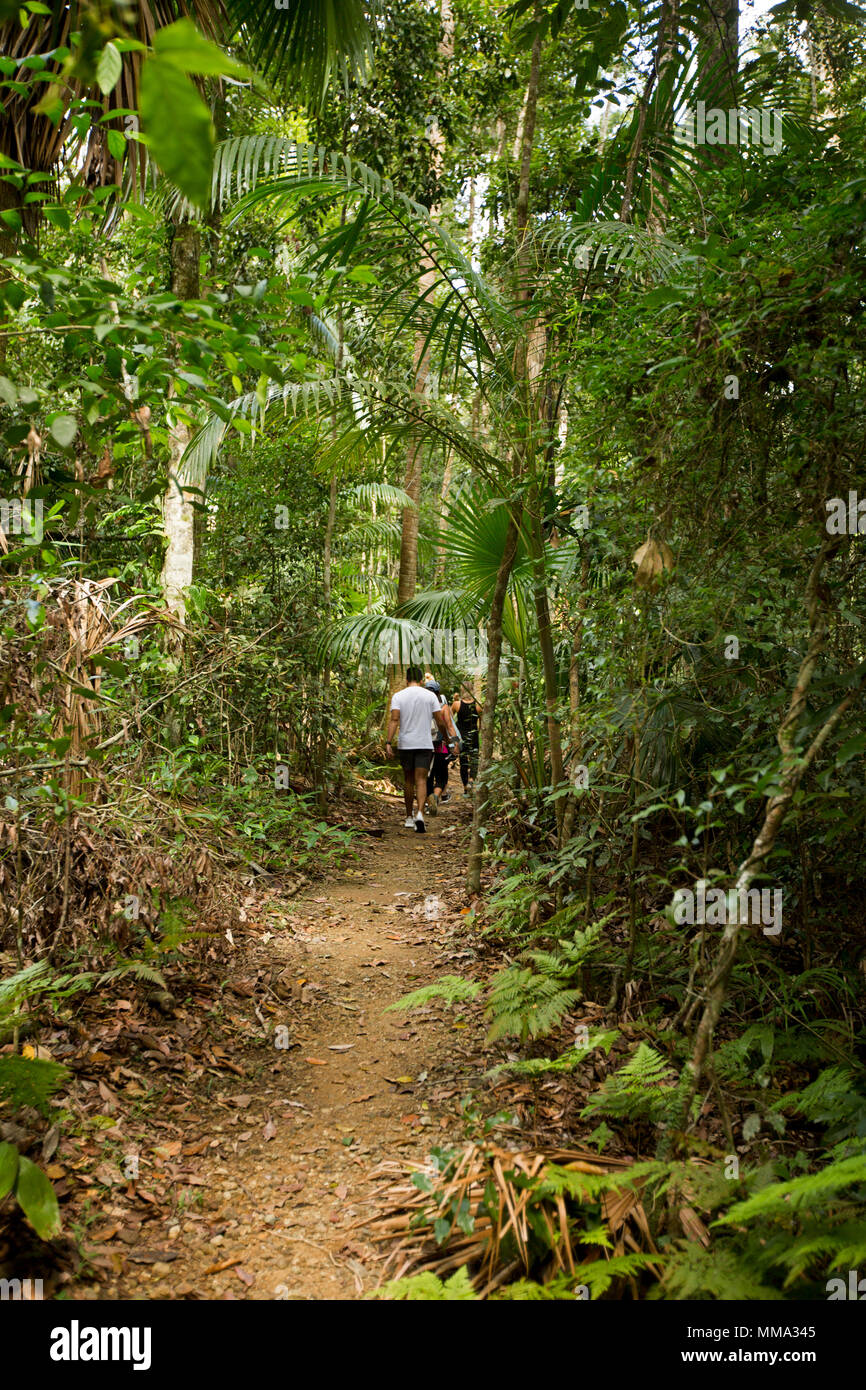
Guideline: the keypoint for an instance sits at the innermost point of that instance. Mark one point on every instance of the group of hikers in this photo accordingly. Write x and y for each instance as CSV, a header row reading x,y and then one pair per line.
x,y
432,734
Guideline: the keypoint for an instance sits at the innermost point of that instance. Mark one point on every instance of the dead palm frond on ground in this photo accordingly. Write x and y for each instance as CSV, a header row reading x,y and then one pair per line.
x,y
505,1215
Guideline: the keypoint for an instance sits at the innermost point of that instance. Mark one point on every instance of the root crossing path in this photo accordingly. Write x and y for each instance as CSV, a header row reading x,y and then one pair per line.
x,y
326,1095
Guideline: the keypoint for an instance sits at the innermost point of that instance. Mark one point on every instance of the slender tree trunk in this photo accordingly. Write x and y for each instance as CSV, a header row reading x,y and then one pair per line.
x,y
10,201
665,52
407,581
548,658
503,575
439,576
718,65
718,53
178,511
480,799
324,731
521,210
327,546
567,827
663,116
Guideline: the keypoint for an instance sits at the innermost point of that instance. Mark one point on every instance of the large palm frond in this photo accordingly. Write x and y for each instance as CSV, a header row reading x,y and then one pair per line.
x,y
473,325
389,414
303,42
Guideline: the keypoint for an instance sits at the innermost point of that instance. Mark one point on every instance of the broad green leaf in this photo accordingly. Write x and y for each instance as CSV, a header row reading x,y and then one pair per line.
x,y
116,143
108,69
8,1168
38,1199
64,428
183,46
851,749
177,129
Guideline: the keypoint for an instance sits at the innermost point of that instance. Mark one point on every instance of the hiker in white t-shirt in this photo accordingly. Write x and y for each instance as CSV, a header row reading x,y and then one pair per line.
x,y
412,710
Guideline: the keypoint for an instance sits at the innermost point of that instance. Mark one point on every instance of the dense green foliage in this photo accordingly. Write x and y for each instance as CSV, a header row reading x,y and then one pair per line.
x,y
484,289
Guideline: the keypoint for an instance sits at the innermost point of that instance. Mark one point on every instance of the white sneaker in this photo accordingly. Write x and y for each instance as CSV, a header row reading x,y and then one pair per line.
x,y
409,823
420,826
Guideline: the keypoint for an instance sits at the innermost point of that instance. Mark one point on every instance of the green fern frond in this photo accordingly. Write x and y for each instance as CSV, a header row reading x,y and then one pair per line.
x,y
692,1273
599,1275
526,1005
528,1291
782,1198
429,1288
384,494
454,989
567,1182
136,968
30,1081
557,1066
835,1099
15,989
641,1089
845,1243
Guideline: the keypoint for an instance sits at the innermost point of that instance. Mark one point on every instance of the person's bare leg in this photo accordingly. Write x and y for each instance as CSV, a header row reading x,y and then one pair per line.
x,y
409,793
421,788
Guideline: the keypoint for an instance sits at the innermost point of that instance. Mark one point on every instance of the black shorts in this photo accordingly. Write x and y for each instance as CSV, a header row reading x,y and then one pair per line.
x,y
413,758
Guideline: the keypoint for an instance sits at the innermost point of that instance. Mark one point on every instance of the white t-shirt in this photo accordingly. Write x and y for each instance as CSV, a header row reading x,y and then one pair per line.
x,y
416,706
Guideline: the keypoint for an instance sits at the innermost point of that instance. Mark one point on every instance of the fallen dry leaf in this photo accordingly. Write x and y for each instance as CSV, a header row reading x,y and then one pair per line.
x,y
198,1148
106,1233
223,1264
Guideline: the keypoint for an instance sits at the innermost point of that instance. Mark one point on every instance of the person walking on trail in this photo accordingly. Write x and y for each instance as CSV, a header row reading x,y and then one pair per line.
x,y
467,713
442,751
412,710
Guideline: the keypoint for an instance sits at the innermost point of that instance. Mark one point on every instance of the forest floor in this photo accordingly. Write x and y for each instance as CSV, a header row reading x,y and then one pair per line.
x,y
258,1184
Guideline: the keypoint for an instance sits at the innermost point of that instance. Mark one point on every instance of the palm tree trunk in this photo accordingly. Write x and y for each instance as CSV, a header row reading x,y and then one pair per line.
x,y
718,53
567,826
324,704
327,547
439,576
503,574
665,51
407,581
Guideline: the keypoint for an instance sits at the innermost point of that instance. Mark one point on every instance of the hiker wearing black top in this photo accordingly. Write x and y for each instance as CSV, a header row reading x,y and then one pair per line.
x,y
444,742
466,716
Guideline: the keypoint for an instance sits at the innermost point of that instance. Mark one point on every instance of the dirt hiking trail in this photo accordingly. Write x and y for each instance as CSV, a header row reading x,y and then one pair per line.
x,y
284,1163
